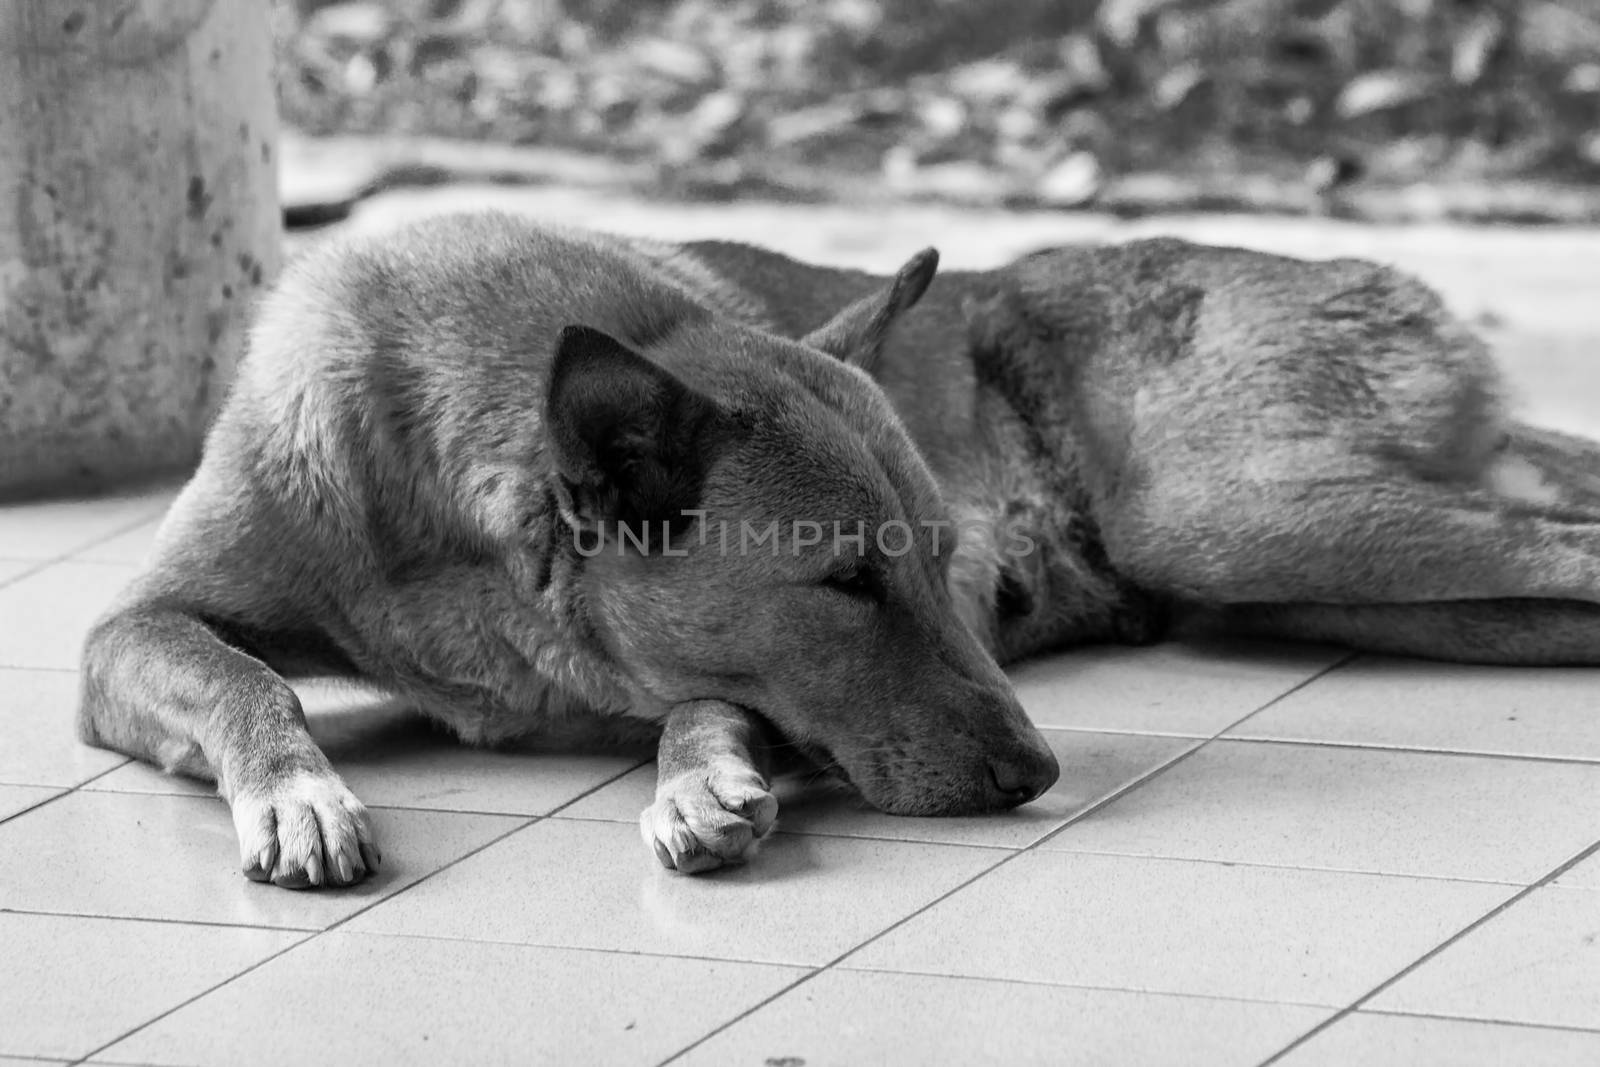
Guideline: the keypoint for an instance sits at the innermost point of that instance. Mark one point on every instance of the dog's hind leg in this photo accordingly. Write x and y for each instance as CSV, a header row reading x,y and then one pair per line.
x,y
712,803
1371,539
1509,632
160,684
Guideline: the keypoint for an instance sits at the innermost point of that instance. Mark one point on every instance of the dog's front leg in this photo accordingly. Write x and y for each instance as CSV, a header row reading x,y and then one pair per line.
x,y
161,685
712,803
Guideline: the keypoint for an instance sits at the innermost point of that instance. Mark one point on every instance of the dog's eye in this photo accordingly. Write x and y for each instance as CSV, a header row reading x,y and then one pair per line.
x,y
856,581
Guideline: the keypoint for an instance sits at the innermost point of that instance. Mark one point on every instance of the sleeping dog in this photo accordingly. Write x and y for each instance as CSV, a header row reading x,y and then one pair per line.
x,y
529,479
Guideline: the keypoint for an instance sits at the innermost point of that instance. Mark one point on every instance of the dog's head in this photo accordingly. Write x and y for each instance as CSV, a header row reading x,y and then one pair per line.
x,y
761,530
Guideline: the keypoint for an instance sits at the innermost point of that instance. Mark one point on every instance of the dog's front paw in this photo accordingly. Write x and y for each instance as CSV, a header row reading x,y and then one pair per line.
x,y
306,830
704,820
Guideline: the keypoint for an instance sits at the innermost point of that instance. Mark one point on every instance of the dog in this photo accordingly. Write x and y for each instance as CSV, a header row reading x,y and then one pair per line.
x,y
1118,440
479,464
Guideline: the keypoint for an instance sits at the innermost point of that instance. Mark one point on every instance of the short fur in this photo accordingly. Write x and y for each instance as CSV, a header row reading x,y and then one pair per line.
x,y
1289,448
417,452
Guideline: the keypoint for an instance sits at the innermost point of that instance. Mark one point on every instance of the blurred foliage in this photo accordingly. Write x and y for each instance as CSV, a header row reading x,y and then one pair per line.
x,y
982,96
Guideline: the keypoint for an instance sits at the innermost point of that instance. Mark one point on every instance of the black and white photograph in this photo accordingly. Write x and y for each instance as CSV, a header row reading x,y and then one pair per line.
x,y
800,533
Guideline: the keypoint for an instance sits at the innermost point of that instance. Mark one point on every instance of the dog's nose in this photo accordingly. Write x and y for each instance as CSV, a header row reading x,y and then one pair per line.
x,y
1026,777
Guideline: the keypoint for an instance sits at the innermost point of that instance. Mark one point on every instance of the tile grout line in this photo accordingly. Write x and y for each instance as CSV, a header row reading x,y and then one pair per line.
x,y
1038,983
214,924
370,807
1316,869
34,566
1482,920
1373,746
836,835
1165,735
68,791
1558,1027
313,935
35,806
552,946
1109,798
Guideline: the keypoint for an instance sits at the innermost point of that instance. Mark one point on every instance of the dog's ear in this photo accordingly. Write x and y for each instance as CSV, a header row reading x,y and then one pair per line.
x,y
630,441
857,334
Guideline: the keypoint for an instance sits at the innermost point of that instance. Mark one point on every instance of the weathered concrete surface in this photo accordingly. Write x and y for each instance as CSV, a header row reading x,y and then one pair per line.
x,y
138,219
1533,293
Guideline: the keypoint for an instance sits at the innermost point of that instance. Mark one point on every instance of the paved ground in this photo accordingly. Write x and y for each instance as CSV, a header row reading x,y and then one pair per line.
x,y
1251,849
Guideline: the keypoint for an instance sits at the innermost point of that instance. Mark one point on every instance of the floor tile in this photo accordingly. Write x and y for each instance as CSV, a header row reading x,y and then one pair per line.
x,y
1519,711
526,1005
1536,962
17,798
1189,688
1359,809
409,765
857,1017
1175,926
44,616
50,529
39,709
1375,1040
802,900
73,984
165,857
131,546
1093,765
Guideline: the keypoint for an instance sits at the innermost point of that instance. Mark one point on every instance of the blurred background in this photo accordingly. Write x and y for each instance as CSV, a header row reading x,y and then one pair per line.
x,y
1474,109
1456,139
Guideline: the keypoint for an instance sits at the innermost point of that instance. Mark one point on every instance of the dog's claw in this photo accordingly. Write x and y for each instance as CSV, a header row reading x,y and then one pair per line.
x,y
292,880
701,822
698,862
762,811
259,867
304,831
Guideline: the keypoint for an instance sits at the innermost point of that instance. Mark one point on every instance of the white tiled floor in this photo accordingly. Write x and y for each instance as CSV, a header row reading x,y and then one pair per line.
x,y
1246,843
1537,962
1407,704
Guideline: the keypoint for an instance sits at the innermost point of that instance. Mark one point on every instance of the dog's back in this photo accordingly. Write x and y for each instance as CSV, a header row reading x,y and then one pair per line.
x,y
1260,351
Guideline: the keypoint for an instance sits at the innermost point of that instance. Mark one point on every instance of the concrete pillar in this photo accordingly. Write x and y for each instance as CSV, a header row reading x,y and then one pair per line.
x,y
139,220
